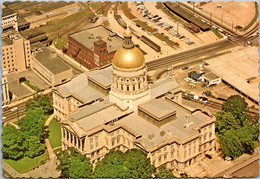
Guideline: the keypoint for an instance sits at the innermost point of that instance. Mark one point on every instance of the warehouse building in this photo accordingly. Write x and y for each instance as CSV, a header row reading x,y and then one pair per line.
x,y
93,47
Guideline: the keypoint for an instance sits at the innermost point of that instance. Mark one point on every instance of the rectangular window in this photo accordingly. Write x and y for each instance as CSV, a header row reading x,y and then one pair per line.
x,y
113,142
91,143
97,142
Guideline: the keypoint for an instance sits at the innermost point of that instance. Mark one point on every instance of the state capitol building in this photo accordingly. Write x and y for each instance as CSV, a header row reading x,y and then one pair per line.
x,y
114,108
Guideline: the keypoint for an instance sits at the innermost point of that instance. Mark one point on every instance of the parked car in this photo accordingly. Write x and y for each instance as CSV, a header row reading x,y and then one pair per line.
x,y
184,68
204,85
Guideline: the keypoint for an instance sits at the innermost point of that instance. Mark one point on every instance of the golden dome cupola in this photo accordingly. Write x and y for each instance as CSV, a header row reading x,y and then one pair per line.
x,y
128,56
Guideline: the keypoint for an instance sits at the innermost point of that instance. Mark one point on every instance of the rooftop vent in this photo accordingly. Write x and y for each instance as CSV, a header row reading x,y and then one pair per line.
x,y
150,136
162,133
53,54
187,124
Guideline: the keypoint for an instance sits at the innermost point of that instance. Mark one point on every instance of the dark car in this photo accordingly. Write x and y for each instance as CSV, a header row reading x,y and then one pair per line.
x,y
185,68
204,85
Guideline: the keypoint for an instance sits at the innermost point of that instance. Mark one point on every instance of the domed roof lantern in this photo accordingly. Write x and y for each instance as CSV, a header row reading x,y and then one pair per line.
x,y
128,56
128,43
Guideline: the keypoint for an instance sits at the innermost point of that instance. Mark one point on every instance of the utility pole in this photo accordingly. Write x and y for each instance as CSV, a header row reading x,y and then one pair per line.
x,y
210,18
177,28
193,8
222,18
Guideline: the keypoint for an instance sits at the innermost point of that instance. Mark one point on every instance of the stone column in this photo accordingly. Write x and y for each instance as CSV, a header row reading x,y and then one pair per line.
x,y
76,139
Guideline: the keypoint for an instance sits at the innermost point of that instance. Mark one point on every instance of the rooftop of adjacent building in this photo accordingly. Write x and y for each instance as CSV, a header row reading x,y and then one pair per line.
x,y
83,91
94,34
6,41
12,35
106,113
50,59
181,128
6,11
211,76
103,77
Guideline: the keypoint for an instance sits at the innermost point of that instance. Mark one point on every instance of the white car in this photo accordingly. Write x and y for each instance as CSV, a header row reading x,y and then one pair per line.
x,y
14,109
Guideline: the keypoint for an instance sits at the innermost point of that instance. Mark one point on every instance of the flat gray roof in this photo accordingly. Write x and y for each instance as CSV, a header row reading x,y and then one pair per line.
x,y
158,108
172,129
7,11
211,76
236,68
6,41
101,117
54,64
102,76
89,36
162,86
79,86
89,109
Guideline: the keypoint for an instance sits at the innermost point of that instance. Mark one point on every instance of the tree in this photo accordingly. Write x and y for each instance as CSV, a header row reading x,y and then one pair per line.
x,y
237,106
40,101
225,121
33,123
163,172
233,130
230,144
208,93
112,166
35,147
13,145
138,164
133,163
247,135
74,165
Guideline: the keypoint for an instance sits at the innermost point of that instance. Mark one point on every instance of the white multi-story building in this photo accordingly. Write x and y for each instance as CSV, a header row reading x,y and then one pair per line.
x,y
9,18
16,53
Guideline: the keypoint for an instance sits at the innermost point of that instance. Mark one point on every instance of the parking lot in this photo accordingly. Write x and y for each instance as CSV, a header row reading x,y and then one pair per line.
x,y
165,31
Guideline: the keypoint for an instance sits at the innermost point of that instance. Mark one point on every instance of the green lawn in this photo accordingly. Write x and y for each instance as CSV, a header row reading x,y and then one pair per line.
x,y
59,43
54,133
216,32
26,164
35,88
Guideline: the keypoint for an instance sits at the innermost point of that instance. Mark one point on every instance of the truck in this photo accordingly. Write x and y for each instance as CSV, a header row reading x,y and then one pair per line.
x,y
194,28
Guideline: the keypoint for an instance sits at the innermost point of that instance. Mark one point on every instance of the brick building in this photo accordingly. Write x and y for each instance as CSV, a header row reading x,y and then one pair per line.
x,y
94,47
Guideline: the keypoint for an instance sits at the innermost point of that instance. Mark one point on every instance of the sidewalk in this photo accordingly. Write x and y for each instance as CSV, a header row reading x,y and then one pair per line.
x,y
47,142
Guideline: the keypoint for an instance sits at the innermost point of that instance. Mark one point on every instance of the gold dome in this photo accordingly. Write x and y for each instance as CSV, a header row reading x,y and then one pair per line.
x,y
128,58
